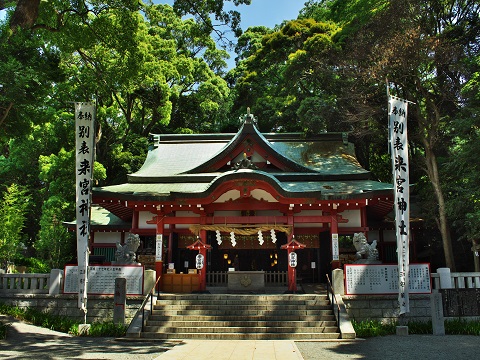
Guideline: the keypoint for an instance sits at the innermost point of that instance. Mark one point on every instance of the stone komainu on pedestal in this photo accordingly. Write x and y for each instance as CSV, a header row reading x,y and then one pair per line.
x,y
125,254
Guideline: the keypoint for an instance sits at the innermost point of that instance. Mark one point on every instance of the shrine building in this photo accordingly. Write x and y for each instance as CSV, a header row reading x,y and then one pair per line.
x,y
242,199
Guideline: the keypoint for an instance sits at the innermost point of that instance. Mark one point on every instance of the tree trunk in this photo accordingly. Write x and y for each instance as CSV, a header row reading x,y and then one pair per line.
x,y
432,172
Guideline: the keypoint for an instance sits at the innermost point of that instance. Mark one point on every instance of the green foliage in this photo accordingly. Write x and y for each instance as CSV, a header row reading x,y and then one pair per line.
x,y
107,329
3,330
373,328
54,243
60,323
13,210
462,327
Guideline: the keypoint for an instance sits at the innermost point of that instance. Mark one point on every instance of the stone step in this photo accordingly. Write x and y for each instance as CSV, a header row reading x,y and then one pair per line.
x,y
245,312
317,302
239,329
241,317
241,336
275,317
239,298
242,323
253,307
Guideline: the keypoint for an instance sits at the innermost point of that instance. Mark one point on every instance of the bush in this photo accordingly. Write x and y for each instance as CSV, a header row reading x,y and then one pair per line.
x,y
61,323
372,328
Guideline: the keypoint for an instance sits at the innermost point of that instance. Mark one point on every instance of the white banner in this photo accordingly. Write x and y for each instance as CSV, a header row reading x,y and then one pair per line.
x,y
399,151
85,149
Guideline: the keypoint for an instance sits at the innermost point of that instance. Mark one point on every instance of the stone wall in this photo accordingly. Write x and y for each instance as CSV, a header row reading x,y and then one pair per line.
x,y
100,308
385,308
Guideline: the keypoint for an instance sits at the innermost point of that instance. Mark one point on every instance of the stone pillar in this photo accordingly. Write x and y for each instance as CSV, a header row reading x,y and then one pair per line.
x,y
438,321
337,282
56,282
148,280
120,301
445,278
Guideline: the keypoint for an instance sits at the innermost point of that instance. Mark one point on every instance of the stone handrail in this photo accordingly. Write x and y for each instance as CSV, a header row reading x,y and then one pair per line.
x,y
460,280
24,283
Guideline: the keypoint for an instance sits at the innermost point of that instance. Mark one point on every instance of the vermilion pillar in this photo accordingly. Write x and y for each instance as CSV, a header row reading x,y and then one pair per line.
x,y
292,246
159,246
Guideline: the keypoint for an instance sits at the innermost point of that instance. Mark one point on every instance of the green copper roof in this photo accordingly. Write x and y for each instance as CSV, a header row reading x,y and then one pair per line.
x,y
320,189
185,165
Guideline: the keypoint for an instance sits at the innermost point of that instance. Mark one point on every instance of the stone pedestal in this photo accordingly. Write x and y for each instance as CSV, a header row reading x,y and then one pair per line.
x,y
55,285
246,281
337,282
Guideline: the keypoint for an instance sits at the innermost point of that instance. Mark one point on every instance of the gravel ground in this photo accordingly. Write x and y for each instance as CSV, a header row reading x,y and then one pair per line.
x,y
424,347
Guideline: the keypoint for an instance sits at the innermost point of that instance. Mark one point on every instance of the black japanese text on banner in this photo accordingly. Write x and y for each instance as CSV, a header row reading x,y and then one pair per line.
x,y
84,145
399,151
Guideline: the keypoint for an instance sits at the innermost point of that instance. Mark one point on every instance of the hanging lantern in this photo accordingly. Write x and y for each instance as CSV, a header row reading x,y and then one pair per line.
x,y
273,235
219,237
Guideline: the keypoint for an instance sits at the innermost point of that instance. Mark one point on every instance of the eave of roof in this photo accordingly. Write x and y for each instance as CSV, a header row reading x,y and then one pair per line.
x,y
322,190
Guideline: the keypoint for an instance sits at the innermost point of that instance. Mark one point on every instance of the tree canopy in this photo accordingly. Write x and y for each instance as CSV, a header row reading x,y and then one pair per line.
x,y
155,68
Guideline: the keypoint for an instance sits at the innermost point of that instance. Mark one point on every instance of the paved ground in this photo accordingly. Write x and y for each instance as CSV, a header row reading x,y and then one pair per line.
x,y
25,341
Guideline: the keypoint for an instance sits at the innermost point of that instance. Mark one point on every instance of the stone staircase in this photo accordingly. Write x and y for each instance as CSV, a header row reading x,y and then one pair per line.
x,y
242,317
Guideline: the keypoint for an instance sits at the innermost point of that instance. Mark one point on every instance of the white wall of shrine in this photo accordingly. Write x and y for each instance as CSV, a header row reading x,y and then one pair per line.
x,y
107,237
353,217
143,217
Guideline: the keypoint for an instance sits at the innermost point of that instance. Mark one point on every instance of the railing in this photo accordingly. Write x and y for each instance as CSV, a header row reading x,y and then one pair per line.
x,y
460,280
217,278
24,283
272,278
276,278
333,300
145,301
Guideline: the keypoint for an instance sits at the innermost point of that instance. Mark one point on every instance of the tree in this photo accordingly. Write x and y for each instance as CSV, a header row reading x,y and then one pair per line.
x,y
55,245
423,48
13,211
275,80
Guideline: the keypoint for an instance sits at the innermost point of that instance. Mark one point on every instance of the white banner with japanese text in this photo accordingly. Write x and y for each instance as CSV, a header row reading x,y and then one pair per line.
x,y
399,151
84,149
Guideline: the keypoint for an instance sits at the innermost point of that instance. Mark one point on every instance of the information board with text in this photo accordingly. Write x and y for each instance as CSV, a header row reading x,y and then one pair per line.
x,y
101,279
366,279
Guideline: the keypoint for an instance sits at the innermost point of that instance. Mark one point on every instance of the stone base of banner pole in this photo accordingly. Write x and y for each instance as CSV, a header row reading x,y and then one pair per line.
x,y
402,330
83,329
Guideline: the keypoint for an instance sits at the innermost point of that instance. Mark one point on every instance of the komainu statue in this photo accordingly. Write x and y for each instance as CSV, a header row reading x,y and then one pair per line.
x,y
366,253
125,254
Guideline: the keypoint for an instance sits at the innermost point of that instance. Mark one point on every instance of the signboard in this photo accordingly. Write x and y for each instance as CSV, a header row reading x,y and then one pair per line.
x,y
101,279
335,249
199,260
364,279
159,247
292,259
461,302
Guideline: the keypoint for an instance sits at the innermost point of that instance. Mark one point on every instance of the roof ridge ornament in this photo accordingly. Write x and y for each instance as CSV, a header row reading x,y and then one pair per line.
x,y
245,163
248,118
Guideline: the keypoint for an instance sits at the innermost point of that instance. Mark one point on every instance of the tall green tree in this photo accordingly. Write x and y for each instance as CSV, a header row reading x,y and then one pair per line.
x,y
13,211
423,48
275,80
